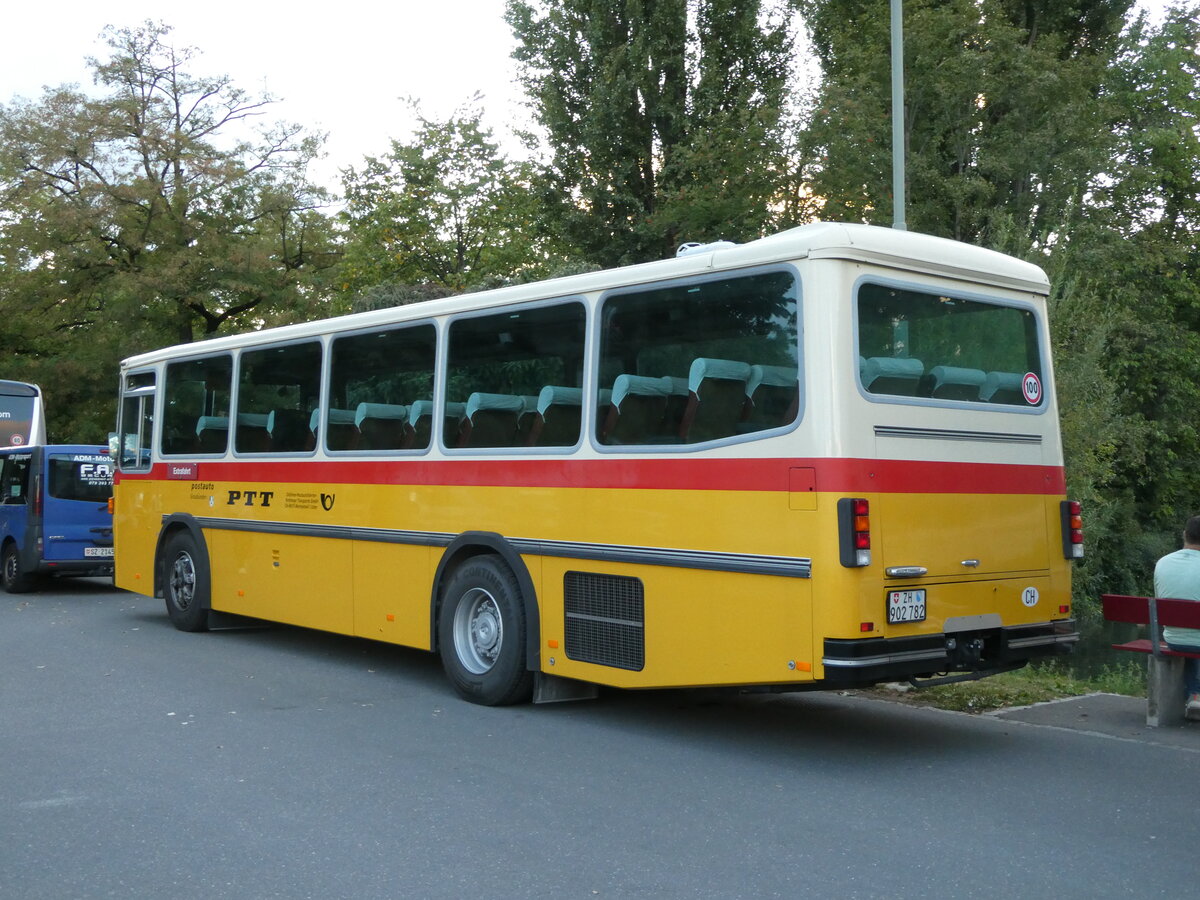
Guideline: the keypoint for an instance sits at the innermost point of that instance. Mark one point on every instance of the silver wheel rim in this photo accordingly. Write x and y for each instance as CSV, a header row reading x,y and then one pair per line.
x,y
10,567
183,581
478,631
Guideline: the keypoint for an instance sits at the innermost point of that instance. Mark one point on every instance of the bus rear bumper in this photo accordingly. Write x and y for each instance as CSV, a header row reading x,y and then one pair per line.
x,y
850,662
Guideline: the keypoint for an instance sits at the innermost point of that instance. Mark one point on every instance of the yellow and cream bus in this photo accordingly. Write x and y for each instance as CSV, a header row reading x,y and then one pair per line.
x,y
822,459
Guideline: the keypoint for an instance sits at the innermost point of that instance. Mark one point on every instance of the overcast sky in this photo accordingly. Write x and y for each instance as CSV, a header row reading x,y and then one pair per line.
x,y
341,67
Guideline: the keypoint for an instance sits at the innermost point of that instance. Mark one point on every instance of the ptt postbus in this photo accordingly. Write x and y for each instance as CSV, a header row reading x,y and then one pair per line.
x,y
822,459
22,419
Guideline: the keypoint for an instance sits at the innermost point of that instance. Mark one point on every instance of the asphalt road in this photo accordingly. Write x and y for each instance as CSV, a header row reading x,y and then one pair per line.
x,y
138,761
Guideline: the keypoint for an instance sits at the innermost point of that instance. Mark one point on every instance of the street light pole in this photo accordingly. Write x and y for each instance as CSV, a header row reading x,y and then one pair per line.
x,y
898,116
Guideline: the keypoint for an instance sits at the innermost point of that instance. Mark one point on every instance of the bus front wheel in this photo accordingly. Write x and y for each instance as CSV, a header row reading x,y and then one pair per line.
x,y
15,581
185,583
481,633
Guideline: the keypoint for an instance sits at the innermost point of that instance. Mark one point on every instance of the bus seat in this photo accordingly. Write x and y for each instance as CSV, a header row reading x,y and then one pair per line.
x,y
342,434
252,435
420,424
1002,387
558,417
289,430
381,426
212,434
772,397
419,431
603,409
716,399
888,375
493,420
642,411
955,383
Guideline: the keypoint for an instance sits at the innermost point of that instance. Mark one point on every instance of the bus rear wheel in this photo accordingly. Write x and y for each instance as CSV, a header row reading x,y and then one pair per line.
x,y
185,583
15,581
481,633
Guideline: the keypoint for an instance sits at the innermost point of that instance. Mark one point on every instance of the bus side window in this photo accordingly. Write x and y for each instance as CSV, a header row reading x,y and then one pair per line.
x,y
196,405
380,385
498,366
278,388
712,329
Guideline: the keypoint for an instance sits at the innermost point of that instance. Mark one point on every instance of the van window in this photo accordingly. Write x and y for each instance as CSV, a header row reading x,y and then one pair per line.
x,y
80,477
14,478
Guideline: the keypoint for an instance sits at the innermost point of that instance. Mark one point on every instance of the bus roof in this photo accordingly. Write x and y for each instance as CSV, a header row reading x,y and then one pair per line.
x,y
905,250
18,389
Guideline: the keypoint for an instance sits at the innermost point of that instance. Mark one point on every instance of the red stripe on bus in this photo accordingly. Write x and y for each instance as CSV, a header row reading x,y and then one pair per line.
x,y
847,476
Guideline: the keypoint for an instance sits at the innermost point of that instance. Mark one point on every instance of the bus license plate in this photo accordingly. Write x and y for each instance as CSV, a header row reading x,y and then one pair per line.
x,y
906,606
97,551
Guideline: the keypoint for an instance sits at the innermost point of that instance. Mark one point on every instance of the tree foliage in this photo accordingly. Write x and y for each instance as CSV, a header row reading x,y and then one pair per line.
x,y
663,119
1003,112
142,213
446,208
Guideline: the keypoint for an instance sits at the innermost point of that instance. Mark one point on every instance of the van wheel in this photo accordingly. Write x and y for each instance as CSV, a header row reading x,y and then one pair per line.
x,y
481,633
15,581
185,583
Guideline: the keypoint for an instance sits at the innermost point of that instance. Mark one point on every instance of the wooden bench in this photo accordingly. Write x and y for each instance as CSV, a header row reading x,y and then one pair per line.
x,y
1164,687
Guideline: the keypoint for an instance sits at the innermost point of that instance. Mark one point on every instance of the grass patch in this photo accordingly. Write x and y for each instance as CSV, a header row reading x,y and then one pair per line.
x,y
1021,688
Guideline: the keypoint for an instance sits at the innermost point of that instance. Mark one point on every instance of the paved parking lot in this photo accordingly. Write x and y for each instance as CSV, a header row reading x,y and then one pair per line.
x,y
139,761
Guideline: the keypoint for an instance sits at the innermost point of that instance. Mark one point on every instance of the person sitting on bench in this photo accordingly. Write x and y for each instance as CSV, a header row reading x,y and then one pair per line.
x,y
1178,575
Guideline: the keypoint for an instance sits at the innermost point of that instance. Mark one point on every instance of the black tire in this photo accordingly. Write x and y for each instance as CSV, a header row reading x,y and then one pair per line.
x,y
185,582
481,633
14,580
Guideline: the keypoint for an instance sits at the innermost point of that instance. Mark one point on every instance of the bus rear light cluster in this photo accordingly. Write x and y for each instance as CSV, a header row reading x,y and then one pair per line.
x,y
1072,529
854,532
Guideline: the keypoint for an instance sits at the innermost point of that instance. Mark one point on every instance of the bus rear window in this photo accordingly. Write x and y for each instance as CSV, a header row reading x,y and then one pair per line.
x,y
80,477
939,347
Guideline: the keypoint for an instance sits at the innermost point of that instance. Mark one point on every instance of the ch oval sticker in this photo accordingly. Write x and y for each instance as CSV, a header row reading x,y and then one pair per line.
x,y
1029,596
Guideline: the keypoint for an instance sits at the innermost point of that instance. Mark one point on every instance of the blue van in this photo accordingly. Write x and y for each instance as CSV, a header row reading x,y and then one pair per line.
x,y
54,515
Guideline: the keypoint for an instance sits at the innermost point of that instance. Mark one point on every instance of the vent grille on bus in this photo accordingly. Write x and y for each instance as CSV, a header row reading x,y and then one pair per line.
x,y
605,619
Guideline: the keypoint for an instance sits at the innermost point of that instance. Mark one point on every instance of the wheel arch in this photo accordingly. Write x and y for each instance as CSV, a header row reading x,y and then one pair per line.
x,y
172,525
479,543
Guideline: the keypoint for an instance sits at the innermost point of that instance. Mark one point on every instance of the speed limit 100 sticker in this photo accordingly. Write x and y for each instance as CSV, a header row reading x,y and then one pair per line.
x,y
1029,596
1031,388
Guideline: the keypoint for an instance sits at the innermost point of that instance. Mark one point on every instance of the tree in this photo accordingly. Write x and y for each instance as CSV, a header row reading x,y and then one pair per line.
x,y
657,130
446,209
150,211
1003,112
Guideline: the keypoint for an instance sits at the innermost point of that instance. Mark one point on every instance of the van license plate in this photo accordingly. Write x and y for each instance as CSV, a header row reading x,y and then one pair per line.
x,y
906,606
97,551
